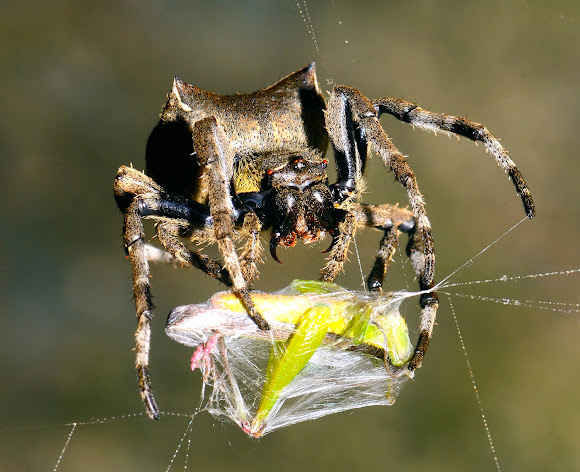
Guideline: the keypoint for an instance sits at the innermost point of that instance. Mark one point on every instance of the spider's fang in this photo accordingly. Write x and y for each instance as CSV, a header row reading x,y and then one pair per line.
x,y
332,243
273,247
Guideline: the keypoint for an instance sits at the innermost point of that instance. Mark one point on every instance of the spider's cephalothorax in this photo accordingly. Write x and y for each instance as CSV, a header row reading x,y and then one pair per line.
x,y
219,167
297,203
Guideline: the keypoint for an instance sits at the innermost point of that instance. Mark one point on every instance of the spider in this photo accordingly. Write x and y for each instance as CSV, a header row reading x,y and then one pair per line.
x,y
224,167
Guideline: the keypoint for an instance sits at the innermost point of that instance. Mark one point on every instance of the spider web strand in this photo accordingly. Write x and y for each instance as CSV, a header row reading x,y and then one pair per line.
x,y
470,261
308,22
74,427
568,308
181,441
505,278
475,389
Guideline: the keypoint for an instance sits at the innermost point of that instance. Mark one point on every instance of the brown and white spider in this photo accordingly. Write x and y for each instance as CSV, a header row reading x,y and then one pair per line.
x,y
220,167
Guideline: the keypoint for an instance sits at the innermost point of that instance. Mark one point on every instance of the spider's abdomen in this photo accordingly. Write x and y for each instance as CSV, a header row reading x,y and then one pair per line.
x,y
285,116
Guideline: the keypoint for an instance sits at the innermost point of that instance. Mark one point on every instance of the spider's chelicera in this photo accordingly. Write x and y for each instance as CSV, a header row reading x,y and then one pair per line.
x,y
219,167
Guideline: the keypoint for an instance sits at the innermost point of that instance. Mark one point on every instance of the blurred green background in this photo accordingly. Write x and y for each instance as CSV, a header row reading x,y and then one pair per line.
x,y
81,86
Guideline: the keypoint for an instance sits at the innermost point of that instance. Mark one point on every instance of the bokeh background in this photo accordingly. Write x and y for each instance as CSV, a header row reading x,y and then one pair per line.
x,y
81,86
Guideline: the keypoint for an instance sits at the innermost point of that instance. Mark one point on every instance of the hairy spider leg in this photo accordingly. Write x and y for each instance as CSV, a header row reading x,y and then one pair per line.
x,y
148,201
392,220
168,233
347,101
252,253
350,160
409,112
134,235
174,217
387,248
214,152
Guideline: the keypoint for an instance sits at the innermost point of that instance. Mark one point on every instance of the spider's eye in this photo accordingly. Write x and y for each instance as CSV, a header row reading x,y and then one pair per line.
x,y
298,163
324,163
269,172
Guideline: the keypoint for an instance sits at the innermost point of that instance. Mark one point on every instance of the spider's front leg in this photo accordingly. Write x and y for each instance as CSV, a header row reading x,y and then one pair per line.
x,y
409,112
169,233
214,152
351,120
251,255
